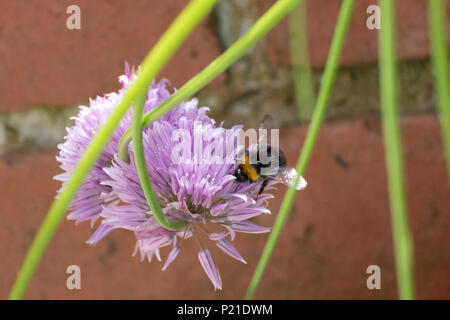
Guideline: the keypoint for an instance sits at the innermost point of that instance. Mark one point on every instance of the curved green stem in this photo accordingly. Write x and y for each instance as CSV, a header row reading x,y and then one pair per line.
x,y
308,146
438,39
393,151
152,64
139,158
280,9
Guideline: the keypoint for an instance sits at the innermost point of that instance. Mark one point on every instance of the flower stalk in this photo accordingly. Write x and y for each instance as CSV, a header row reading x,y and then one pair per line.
x,y
301,69
436,18
394,155
152,64
310,141
264,24
139,157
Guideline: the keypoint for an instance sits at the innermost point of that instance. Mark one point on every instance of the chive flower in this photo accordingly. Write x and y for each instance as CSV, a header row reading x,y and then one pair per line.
x,y
201,192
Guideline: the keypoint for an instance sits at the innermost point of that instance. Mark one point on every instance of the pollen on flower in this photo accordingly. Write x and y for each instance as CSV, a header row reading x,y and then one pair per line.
x,y
200,193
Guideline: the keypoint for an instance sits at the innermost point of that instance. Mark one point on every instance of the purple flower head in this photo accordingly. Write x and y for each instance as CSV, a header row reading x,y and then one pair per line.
x,y
92,196
200,190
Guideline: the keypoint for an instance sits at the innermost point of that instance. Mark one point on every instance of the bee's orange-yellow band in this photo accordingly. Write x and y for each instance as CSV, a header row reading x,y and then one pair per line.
x,y
249,170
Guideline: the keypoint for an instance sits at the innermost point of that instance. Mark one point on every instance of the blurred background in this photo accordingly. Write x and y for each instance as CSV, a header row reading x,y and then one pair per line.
x,y
339,225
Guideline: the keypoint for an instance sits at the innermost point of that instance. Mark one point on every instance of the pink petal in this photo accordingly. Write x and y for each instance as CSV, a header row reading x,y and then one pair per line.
x,y
229,249
248,227
207,262
216,236
171,257
102,231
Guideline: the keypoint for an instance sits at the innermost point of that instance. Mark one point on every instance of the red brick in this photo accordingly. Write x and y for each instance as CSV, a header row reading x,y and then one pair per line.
x,y
45,63
339,225
361,43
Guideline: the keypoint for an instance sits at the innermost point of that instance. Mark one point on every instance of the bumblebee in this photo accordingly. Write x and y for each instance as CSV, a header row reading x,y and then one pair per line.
x,y
254,169
260,171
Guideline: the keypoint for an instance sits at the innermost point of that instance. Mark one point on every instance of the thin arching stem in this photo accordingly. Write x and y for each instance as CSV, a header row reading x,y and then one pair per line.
x,y
141,166
308,146
393,151
264,24
438,37
301,69
152,64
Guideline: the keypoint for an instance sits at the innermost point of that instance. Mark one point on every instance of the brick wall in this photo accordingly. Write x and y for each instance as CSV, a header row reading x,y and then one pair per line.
x,y
48,70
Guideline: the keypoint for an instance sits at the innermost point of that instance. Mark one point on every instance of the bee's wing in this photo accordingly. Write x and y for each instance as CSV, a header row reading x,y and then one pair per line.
x,y
240,153
288,178
266,122
265,125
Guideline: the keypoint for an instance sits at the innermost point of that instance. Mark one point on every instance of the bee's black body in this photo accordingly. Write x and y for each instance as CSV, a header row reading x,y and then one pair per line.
x,y
251,172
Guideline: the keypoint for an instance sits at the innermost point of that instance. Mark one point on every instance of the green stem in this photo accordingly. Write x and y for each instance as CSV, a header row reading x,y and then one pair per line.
x,y
303,78
155,60
280,9
393,151
139,158
438,39
314,128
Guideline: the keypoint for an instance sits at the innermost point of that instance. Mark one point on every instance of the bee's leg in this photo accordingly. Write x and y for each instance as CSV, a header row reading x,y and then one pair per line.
x,y
263,186
237,186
